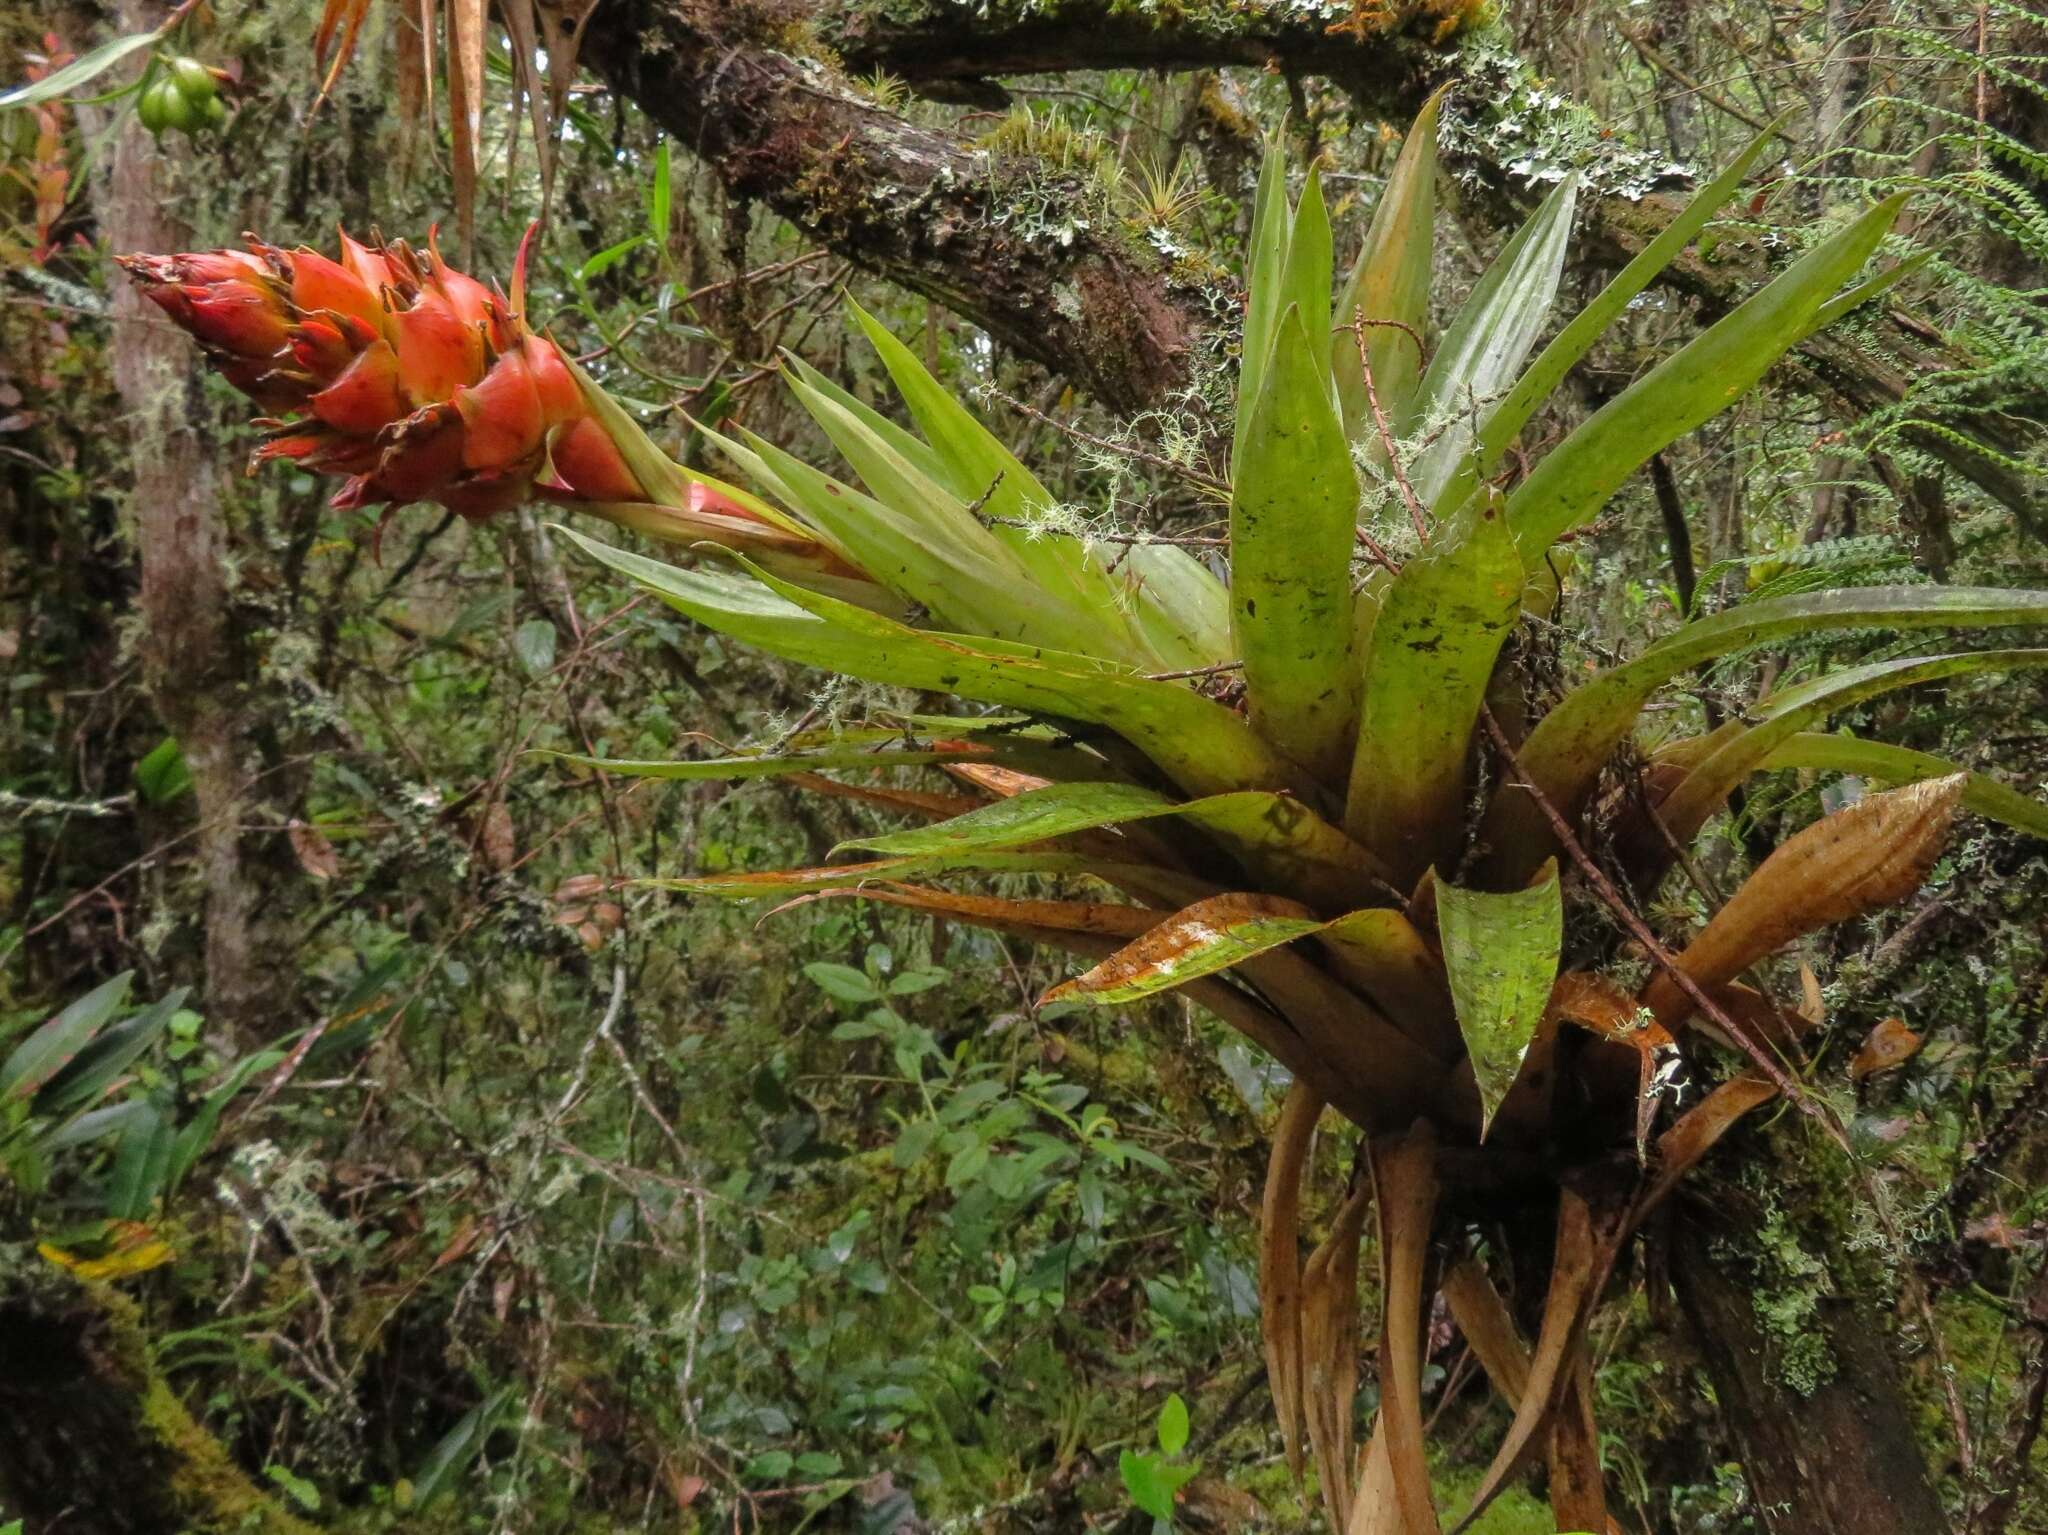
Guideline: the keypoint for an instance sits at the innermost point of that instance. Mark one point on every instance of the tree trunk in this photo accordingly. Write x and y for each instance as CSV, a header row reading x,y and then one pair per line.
x,y
92,1441
199,677
1841,1458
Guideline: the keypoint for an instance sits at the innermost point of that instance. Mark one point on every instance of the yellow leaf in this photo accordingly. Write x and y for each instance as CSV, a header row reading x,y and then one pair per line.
x,y
132,1249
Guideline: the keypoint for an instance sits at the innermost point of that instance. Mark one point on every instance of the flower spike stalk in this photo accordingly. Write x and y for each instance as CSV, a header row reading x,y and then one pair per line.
x,y
415,382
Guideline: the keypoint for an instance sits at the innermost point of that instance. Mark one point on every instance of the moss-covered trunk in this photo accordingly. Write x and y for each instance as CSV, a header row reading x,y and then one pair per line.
x,y
92,1440
1816,1406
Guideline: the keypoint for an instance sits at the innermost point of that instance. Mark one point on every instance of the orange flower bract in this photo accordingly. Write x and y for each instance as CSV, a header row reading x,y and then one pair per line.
x,y
389,367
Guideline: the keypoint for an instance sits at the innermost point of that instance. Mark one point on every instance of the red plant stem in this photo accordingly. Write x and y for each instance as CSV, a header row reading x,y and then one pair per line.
x,y
1379,420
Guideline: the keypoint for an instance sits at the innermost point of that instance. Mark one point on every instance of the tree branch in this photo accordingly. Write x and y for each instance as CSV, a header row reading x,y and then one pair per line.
x,y
999,242
923,208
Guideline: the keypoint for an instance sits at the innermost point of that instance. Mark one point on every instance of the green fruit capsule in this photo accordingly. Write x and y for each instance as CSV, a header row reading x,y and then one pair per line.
x,y
179,112
150,109
195,81
214,114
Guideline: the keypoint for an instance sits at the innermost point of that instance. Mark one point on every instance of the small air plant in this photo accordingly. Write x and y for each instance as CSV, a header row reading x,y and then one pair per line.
x,y
1270,781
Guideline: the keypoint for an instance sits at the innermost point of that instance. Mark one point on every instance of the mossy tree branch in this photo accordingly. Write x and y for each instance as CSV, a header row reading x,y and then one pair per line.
x,y
928,209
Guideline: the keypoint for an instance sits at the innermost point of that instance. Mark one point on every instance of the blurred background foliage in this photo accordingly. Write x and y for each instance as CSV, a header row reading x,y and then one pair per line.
x,y
524,1202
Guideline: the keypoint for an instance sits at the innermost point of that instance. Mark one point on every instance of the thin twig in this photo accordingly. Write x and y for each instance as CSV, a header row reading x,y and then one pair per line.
x,y
1196,671
1639,930
1357,327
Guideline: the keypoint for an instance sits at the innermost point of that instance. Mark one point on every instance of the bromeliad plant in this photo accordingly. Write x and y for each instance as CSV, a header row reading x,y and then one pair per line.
x,y
1326,808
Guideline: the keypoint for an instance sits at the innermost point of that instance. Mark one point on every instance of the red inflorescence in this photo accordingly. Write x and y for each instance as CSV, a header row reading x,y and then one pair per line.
x,y
390,367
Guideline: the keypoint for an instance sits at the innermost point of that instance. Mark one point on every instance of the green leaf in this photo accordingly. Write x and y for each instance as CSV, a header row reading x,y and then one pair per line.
x,y
1543,376
141,1163
1288,844
451,1455
848,876
974,464
1427,664
97,1125
660,197
1575,479
1390,283
1034,816
1152,1483
197,1135
161,775
1201,745
81,71
51,1047
534,643
919,540
1265,286
842,983
1173,1425
1309,275
1564,754
1687,808
1501,953
112,1052
1293,519
1889,764
609,257
1487,342
1198,940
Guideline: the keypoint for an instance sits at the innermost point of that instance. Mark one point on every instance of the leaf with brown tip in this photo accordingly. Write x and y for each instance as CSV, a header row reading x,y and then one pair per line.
x,y
1211,935
1404,1178
1863,857
1280,1260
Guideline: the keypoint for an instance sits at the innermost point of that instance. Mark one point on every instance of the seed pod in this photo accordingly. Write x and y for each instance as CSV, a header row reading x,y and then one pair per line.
x,y
214,114
178,110
149,109
195,81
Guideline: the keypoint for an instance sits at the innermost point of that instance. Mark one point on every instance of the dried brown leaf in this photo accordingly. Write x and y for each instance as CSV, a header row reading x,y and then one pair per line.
x,y
1572,1276
1578,1497
465,111
1330,1333
1380,953
1280,1279
314,852
1002,782
1890,1044
1680,1148
1404,1179
1863,857
500,845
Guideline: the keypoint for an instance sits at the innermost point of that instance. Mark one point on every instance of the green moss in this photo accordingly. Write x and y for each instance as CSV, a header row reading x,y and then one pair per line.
x,y
211,1490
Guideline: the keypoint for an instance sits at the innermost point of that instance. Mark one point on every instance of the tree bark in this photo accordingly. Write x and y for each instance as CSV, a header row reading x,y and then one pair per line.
x,y
92,1441
1842,1458
930,210
198,674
